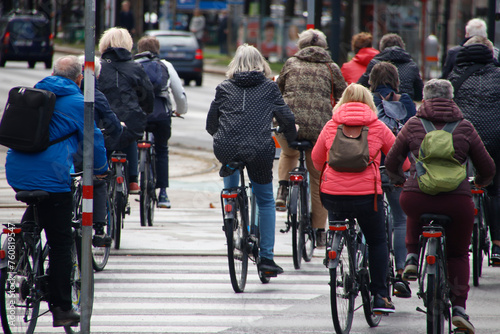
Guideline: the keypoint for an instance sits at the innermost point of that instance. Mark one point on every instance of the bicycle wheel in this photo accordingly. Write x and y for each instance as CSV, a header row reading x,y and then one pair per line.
x,y
306,231
120,212
293,216
364,286
435,316
20,293
341,295
237,246
100,255
147,202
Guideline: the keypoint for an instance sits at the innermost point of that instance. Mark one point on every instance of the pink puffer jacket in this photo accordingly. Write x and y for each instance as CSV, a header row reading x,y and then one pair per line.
x,y
380,138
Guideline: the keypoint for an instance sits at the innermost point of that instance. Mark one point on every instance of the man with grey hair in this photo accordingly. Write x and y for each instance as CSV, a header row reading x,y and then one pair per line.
x,y
475,27
49,170
392,50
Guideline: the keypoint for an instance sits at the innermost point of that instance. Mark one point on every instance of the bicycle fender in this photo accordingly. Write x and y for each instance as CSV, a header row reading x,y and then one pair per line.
x,y
4,262
432,245
336,246
142,160
294,196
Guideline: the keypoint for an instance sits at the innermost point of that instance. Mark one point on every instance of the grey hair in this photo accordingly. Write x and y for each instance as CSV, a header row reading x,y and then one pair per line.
x,y
438,88
115,38
389,40
68,67
312,37
97,64
480,40
475,27
247,59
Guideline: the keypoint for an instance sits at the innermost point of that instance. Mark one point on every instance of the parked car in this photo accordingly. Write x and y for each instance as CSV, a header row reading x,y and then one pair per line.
x,y
26,36
182,50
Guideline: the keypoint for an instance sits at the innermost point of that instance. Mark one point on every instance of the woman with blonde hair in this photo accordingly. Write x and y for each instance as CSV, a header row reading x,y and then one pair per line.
x,y
359,194
311,84
240,119
129,92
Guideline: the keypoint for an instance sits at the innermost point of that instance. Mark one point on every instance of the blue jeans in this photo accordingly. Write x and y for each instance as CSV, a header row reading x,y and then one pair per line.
x,y
133,161
372,224
267,212
399,221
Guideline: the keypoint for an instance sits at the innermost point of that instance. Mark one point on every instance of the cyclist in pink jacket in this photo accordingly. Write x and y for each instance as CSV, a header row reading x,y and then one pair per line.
x,y
359,194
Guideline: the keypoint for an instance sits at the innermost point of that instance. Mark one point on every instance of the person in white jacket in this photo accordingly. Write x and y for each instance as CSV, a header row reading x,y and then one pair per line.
x,y
197,26
166,82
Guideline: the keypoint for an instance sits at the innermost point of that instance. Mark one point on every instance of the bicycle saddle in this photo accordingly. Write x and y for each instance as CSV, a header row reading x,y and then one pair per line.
x,y
301,145
442,220
32,196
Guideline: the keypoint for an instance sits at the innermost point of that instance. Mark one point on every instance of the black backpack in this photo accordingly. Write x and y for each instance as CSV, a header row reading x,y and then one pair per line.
x,y
25,122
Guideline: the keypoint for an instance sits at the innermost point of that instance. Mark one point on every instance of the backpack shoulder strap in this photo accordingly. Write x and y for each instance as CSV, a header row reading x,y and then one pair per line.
x,y
457,84
63,138
428,125
450,127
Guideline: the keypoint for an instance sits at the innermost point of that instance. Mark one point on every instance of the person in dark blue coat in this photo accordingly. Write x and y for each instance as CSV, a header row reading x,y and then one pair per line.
x,y
49,170
384,83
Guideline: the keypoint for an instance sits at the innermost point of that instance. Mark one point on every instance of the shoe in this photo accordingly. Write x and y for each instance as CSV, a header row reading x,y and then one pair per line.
x,y
383,305
495,254
101,240
64,318
163,201
282,196
133,188
411,268
401,287
461,320
320,237
269,267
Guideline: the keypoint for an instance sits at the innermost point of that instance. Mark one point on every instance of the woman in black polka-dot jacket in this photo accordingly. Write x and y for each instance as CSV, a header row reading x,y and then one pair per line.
x,y
240,120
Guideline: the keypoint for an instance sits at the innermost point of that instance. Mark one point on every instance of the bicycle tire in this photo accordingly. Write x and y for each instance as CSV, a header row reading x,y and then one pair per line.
x,y
341,296
372,319
146,198
435,316
306,231
22,289
100,255
120,212
293,216
237,245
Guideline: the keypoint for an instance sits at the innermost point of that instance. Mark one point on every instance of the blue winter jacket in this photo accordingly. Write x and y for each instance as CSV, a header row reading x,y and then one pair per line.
x,y
50,170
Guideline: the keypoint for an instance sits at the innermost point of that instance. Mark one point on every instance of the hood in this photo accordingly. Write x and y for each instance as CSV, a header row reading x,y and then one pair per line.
x,y
365,55
248,79
474,53
394,54
440,109
354,114
59,85
146,55
117,54
314,54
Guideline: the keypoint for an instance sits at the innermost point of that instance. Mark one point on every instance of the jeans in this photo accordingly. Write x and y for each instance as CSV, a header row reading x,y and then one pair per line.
x,y
133,161
99,202
372,225
161,131
267,212
55,217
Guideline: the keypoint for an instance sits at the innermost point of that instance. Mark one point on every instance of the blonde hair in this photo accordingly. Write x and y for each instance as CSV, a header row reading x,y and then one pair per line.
x,y
115,38
356,93
480,40
246,59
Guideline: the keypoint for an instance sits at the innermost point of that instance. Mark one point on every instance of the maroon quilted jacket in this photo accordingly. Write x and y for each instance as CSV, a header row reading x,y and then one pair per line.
x,y
466,141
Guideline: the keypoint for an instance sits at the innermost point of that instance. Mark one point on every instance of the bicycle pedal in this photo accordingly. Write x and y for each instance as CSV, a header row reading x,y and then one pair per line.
x,y
461,331
269,273
381,313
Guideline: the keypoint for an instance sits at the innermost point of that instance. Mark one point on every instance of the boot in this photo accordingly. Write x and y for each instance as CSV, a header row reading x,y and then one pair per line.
x,y
282,196
493,212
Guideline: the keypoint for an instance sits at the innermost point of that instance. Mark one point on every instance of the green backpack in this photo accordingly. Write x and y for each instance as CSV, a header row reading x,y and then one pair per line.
x,y
437,170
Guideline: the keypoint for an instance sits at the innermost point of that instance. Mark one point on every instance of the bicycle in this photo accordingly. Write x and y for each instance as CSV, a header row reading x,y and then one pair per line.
x,y
100,254
347,261
24,271
432,273
118,192
480,243
242,230
147,174
299,215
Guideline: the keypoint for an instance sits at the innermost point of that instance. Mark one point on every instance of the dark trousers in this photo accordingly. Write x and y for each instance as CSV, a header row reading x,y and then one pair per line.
x,y
460,209
372,224
493,204
55,217
162,131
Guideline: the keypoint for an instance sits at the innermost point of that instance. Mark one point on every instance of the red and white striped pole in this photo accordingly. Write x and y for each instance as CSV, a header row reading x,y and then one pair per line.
x,y
88,169
310,14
